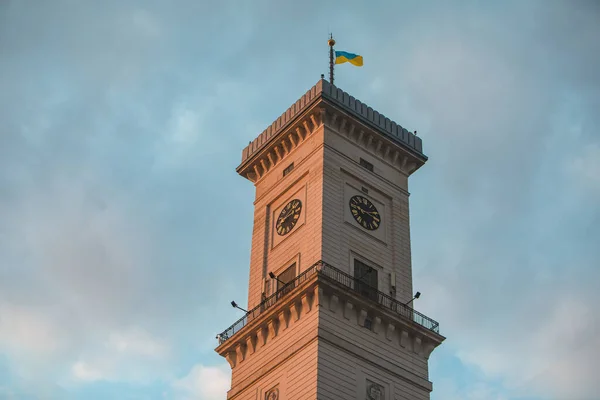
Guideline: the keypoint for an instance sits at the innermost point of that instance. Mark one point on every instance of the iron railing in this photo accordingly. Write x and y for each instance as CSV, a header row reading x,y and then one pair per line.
x,y
333,274
381,298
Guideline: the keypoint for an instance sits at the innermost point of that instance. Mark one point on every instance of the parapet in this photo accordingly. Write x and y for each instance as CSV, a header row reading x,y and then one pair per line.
x,y
354,107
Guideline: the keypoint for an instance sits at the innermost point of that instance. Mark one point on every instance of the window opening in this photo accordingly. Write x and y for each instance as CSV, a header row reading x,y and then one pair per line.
x,y
365,280
285,277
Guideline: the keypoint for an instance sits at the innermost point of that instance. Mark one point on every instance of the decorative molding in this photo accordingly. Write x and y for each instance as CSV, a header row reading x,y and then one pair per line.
x,y
272,394
230,356
284,319
305,303
375,391
314,121
296,308
404,338
348,308
272,326
309,297
324,92
389,332
240,351
377,325
362,316
333,303
280,147
251,344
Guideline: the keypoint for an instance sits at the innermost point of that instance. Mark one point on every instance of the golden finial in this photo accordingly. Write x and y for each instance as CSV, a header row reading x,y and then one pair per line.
x,y
331,42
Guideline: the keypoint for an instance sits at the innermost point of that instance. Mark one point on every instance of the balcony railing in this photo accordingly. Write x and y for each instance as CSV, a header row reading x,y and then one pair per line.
x,y
336,276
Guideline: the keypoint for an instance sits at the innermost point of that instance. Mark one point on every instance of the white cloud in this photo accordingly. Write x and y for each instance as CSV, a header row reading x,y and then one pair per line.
x,y
131,355
136,341
28,330
543,344
204,383
585,167
85,372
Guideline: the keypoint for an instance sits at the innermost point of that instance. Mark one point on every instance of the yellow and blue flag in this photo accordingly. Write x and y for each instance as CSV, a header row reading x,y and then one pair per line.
x,y
354,59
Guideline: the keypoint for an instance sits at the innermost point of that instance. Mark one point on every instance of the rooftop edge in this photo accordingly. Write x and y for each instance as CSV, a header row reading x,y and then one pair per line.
x,y
358,109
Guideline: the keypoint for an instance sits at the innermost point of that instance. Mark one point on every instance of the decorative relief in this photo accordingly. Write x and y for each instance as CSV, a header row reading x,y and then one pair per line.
x,y
375,391
272,394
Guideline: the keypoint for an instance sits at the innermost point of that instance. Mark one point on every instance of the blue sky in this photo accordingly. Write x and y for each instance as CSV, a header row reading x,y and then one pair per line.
x,y
125,231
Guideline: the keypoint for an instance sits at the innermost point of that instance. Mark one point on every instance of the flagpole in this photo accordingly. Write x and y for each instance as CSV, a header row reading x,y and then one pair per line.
x,y
331,43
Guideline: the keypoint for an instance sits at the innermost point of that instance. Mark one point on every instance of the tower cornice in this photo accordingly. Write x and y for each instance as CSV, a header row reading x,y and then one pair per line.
x,y
324,103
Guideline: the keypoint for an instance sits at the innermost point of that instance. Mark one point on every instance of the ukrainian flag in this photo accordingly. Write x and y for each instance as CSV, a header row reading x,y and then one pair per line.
x,y
342,57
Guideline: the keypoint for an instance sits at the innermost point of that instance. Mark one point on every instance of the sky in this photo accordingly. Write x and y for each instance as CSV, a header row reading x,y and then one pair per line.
x,y
125,231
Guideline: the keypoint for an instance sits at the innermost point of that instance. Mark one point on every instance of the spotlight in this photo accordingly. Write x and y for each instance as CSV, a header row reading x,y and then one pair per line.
x,y
417,295
272,275
234,305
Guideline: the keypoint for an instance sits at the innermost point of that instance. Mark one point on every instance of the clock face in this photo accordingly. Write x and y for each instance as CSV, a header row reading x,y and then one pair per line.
x,y
288,217
365,213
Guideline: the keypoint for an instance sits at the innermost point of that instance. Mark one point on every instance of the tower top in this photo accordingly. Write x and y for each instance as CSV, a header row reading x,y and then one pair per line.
x,y
321,96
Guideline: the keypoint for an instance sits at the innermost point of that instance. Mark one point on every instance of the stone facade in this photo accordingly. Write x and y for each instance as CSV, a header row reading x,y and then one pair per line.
x,y
320,340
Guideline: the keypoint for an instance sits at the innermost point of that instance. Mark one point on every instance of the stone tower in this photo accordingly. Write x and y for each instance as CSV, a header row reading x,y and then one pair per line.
x,y
330,268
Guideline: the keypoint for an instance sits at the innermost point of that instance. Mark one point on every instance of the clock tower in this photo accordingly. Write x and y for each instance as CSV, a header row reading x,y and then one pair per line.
x,y
330,294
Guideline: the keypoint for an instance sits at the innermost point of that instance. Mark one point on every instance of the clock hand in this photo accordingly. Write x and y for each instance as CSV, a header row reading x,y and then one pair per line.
x,y
287,215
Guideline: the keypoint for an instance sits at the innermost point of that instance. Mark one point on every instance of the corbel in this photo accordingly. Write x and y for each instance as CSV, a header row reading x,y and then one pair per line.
x,y
387,152
255,168
333,303
314,121
279,157
285,147
360,136
351,130
389,332
270,156
308,130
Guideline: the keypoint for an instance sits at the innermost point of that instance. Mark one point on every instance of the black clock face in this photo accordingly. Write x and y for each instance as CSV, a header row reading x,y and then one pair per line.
x,y
365,213
288,217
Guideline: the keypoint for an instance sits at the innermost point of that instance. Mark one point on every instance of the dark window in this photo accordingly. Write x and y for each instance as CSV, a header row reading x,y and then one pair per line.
x,y
365,280
366,164
368,323
288,169
285,277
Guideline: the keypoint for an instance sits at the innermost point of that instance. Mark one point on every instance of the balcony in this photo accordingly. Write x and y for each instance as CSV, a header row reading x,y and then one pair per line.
x,y
322,270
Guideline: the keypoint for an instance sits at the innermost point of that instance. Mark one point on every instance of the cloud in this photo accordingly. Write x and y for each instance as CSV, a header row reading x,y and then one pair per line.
x,y
585,167
132,355
85,372
506,261
137,342
204,383
23,329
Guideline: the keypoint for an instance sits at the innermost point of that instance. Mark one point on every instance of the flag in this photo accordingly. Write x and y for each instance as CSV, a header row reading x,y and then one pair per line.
x,y
342,57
